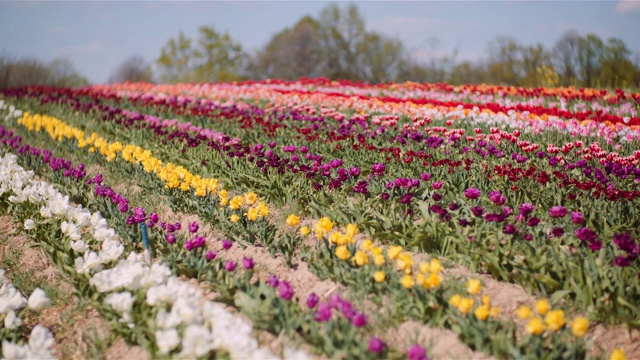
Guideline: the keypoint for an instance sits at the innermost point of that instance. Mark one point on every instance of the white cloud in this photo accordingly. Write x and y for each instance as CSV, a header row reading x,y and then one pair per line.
x,y
626,6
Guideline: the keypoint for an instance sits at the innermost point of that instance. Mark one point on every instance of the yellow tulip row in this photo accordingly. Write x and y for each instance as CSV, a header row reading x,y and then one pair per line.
x,y
554,320
173,176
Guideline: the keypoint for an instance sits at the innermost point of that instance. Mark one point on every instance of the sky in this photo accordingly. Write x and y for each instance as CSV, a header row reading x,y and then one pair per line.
x,y
97,36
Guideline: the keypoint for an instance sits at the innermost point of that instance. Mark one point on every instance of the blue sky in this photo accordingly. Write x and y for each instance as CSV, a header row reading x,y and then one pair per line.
x,y
98,36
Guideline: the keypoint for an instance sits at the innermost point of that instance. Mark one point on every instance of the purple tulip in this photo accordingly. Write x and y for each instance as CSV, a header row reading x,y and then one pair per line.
x,y
229,265
595,245
273,281
526,209
359,320
557,232
533,221
417,352
557,211
472,193
509,229
625,242
210,255
123,207
193,227
335,301
586,234
226,244
312,300
285,290
623,261
577,217
497,198
437,185
323,314
376,345
477,211
171,238
247,263
378,169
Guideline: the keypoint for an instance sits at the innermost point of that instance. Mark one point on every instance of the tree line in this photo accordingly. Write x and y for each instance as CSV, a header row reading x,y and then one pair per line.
x,y
16,72
336,45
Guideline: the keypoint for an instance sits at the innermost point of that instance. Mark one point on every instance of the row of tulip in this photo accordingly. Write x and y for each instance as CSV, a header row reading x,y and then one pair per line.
x,y
129,285
448,207
404,281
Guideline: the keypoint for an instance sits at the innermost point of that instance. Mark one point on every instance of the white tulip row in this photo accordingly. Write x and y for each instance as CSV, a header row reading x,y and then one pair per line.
x,y
40,339
187,326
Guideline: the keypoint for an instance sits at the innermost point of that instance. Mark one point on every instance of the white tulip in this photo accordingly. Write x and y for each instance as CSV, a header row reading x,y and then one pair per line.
x,y
167,340
29,224
12,321
38,300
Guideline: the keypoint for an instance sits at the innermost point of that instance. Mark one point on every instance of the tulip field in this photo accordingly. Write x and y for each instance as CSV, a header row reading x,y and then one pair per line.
x,y
322,219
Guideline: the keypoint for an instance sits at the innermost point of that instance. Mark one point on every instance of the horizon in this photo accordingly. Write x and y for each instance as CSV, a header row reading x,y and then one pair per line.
x,y
98,36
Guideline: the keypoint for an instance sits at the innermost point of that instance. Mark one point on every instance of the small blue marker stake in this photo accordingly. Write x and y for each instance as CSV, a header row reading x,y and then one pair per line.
x,y
145,237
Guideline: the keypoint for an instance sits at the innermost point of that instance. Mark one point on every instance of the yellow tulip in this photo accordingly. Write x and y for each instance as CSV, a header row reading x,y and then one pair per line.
x,y
524,312
343,253
407,281
579,326
379,276
465,305
293,220
367,245
542,306
394,252
535,326
361,258
618,354
554,319
473,286
481,312
435,266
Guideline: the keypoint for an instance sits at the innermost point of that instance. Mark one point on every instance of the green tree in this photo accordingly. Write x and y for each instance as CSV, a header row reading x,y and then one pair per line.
x,y
342,34
617,68
383,58
505,63
292,53
468,72
533,58
218,57
213,57
30,71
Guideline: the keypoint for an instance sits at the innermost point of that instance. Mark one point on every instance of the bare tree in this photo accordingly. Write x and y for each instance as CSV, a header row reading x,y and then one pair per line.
x,y
133,69
566,57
